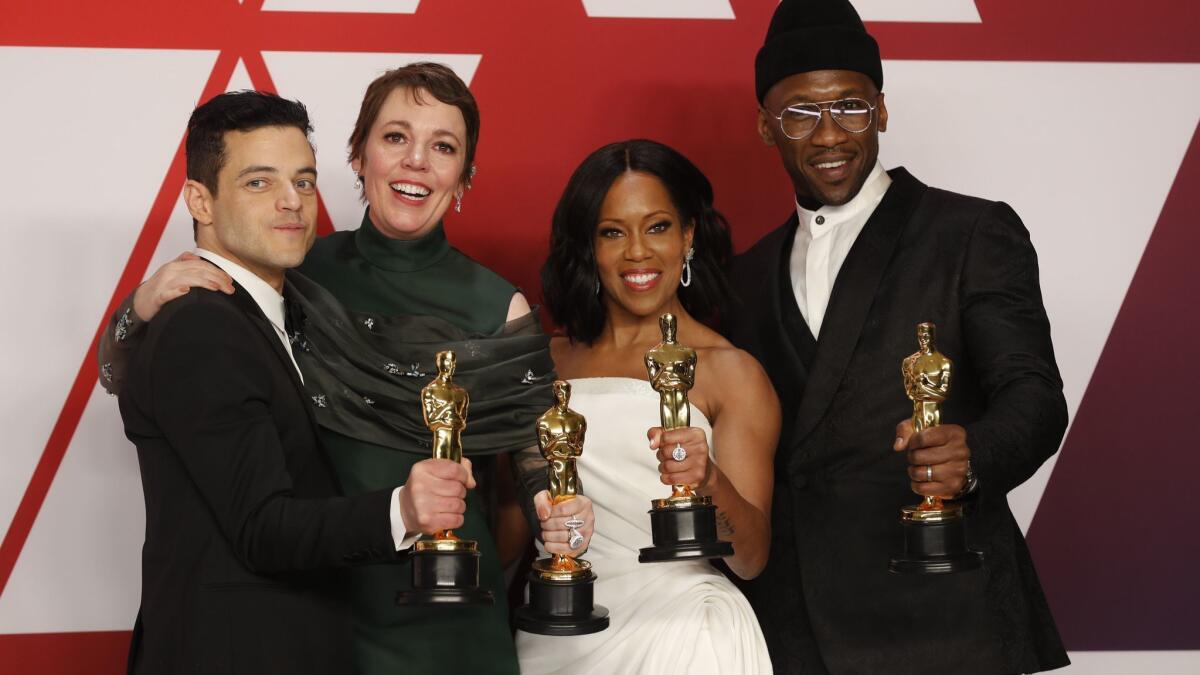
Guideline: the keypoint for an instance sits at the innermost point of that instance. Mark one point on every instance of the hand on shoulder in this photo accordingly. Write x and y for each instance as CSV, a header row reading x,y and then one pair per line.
x,y
174,280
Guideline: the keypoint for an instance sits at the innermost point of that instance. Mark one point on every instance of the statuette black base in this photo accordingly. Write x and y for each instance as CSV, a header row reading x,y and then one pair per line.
x,y
445,578
684,533
561,607
937,547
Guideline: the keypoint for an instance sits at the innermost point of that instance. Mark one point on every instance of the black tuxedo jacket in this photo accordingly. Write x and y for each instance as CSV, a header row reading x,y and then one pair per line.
x,y
826,600
243,517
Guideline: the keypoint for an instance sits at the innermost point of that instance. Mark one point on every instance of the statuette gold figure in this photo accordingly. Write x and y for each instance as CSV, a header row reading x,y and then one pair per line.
x,y
927,375
444,407
672,370
934,533
561,587
560,433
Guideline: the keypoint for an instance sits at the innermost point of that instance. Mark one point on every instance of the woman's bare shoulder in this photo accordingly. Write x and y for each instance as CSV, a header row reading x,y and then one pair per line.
x,y
734,378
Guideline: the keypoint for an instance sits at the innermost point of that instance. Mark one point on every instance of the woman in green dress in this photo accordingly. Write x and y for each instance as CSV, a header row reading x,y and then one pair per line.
x,y
397,286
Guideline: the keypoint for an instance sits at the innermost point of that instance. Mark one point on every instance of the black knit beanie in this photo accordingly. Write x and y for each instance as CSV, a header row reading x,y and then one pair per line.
x,y
807,35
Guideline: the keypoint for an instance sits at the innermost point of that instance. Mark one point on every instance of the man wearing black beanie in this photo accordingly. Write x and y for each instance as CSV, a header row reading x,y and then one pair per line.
x,y
829,303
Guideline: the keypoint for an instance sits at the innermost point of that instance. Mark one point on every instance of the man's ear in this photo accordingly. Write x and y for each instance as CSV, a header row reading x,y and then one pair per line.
x,y
765,127
882,113
199,201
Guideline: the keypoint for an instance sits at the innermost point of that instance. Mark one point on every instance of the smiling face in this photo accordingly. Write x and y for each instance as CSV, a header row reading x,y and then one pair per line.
x,y
830,165
263,216
640,245
412,163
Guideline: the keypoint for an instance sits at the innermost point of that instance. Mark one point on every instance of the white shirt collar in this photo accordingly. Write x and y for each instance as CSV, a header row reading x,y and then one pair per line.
x,y
867,199
267,298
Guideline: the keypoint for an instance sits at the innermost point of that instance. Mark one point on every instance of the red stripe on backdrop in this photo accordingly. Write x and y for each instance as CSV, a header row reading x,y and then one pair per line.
x,y
99,653
1114,537
85,380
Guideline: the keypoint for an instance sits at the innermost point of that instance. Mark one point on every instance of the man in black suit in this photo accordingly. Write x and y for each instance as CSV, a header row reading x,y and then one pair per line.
x,y
244,525
829,303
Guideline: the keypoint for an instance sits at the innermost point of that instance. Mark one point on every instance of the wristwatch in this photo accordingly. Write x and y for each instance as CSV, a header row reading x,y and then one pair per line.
x,y
971,484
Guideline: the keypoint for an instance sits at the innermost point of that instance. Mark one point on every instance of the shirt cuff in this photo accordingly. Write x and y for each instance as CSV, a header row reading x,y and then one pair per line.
x,y
400,535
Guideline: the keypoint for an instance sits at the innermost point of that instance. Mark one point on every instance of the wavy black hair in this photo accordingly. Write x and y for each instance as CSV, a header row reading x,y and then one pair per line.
x,y
569,274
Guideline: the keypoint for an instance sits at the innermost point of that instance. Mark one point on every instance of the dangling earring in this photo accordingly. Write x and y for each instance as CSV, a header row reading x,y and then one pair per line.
x,y
357,182
597,285
685,277
458,204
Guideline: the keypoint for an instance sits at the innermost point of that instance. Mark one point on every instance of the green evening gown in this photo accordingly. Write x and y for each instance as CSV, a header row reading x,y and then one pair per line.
x,y
370,274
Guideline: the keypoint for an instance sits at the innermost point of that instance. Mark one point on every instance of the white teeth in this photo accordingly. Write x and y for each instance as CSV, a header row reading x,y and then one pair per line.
x,y
831,165
641,279
411,190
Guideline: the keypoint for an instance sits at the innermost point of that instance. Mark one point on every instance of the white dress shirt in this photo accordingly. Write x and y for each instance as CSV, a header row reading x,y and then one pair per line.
x,y
822,242
267,298
271,303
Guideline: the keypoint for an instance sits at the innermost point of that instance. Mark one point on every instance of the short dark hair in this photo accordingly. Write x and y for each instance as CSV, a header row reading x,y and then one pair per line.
x,y
435,78
569,274
234,111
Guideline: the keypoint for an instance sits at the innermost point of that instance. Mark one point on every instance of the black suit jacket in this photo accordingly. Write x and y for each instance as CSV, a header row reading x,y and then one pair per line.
x,y
826,601
242,509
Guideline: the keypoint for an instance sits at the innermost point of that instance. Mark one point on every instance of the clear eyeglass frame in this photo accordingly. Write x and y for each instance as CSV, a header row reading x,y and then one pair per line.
x,y
838,109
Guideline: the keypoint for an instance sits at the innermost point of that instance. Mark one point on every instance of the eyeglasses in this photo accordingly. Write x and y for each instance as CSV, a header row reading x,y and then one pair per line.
x,y
801,119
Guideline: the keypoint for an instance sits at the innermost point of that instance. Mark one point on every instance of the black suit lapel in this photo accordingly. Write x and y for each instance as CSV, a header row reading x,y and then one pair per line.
x,y
853,294
243,300
781,357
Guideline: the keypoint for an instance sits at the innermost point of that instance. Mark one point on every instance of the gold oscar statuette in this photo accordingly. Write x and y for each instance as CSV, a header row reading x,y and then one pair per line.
x,y
561,593
927,375
445,569
684,525
444,407
935,534
672,370
560,434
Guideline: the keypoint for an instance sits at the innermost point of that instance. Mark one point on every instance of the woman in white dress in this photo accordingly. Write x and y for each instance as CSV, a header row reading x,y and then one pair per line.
x,y
635,218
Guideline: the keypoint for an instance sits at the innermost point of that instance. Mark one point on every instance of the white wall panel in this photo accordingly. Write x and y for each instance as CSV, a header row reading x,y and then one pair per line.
x,y
80,569
660,9
371,6
924,11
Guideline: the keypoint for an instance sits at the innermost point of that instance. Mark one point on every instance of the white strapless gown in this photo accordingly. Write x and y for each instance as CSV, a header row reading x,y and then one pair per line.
x,y
670,617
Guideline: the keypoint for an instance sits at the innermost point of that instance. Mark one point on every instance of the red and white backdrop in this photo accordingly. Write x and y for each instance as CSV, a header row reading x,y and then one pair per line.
x,y
1082,115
